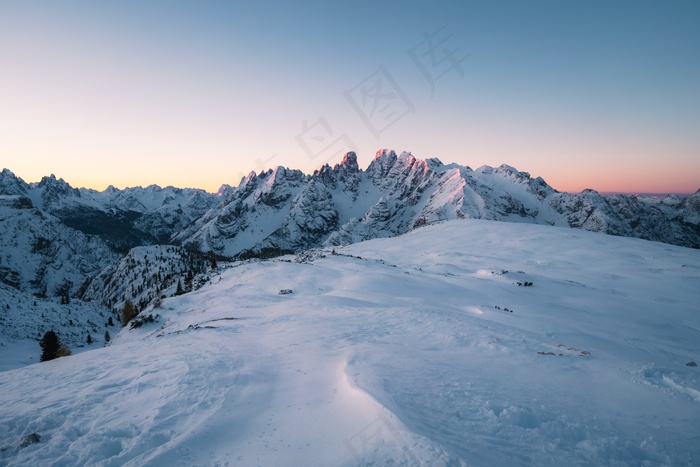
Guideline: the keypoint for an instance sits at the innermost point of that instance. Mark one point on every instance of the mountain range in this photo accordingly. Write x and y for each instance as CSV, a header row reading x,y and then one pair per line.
x,y
286,209
61,241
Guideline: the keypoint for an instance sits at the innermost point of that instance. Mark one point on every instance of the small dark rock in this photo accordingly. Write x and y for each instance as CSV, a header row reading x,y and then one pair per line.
x,y
285,291
29,439
691,364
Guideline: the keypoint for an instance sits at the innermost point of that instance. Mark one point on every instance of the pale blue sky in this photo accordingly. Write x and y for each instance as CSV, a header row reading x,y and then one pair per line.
x,y
601,95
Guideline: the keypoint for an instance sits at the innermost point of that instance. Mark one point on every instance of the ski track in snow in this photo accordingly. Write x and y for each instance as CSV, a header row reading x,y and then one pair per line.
x,y
393,352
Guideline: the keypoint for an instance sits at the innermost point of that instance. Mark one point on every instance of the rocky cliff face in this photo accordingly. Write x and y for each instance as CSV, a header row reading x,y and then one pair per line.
x,y
286,210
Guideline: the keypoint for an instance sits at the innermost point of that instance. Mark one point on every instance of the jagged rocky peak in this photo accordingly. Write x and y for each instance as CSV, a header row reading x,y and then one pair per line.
x,y
55,190
326,174
283,174
383,161
280,175
54,187
349,163
385,153
223,189
52,181
248,179
692,199
424,166
387,169
407,161
346,171
10,184
540,188
434,163
274,186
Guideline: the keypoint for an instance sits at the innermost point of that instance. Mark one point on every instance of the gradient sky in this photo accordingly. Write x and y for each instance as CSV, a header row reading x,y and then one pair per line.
x,y
602,95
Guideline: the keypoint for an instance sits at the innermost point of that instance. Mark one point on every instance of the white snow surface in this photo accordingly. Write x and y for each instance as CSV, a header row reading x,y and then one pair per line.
x,y
415,350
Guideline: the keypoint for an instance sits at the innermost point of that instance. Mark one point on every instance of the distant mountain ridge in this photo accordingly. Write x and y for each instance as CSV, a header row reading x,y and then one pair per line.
x,y
122,218
286,209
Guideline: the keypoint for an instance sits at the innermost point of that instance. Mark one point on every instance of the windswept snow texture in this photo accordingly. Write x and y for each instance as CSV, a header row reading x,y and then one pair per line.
x,y
415,350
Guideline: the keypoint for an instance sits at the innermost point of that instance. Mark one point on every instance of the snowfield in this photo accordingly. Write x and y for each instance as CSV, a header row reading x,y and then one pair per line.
x,y
415,350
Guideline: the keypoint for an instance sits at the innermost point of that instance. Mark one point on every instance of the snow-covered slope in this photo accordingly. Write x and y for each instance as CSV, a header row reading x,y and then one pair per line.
x,y
40,255
431,348
24,319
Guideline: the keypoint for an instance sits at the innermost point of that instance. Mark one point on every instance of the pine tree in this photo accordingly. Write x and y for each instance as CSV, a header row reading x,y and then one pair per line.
x,y
188,279
89,339
49,345
107,336
128,313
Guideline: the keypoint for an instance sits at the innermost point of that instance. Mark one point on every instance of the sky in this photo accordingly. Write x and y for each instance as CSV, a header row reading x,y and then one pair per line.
x,y
601,95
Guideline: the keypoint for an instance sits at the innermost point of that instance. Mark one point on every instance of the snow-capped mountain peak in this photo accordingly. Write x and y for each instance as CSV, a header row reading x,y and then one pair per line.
x,y
10,184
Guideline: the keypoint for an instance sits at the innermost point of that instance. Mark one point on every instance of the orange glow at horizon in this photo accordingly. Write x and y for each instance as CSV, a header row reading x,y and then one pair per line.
x,y
111,169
